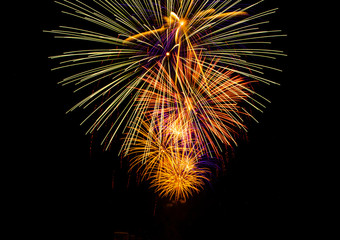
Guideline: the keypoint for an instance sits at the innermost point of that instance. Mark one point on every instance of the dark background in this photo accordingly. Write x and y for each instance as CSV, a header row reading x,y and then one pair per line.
x,y
67,178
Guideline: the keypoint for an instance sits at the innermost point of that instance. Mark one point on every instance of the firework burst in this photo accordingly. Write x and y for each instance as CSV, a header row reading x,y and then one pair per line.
x,y
179,176
195,110
165,157
179,72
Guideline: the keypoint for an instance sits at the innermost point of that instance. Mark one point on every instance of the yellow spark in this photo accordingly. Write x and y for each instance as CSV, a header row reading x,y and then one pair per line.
x,y
174,15
226,14
144,34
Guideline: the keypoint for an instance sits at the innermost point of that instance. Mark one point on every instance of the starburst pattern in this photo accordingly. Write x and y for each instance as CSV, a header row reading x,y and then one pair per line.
x,y
180,73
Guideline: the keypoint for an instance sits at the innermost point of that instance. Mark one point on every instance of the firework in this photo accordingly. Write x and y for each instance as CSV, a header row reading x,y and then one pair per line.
x,y
205,110
179,176
164,157
180,73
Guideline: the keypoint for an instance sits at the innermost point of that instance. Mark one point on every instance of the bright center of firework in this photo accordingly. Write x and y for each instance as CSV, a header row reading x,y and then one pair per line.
x,y
182,22
176,130
167,54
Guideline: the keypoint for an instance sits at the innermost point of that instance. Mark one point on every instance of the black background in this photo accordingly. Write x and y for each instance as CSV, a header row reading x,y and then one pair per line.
x,y
66,178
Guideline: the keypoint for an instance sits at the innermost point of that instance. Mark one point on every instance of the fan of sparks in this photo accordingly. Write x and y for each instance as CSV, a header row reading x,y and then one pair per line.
x,y
174,76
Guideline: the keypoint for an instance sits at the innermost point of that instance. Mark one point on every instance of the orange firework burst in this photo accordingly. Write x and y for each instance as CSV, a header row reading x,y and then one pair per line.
x,y
179,176
198,109
163,156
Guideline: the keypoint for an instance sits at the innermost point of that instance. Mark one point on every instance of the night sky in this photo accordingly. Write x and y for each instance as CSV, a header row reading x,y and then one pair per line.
x,y
71,178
